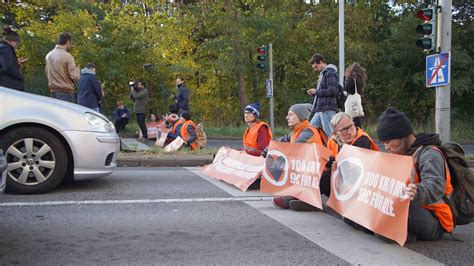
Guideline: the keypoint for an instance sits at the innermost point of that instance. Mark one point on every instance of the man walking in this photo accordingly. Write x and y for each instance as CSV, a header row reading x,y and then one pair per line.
x,y
90,90
325,93
61,70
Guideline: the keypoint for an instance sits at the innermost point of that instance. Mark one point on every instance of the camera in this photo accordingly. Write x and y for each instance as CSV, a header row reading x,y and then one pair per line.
x,y
132,84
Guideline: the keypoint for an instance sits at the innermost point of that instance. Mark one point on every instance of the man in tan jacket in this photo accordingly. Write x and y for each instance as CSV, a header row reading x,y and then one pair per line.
x,y
61,69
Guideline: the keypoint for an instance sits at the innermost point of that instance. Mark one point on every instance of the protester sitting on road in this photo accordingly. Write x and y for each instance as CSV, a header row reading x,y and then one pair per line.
x,y
188,132
258,134
301,132
345,133
121,116
429,217
174,127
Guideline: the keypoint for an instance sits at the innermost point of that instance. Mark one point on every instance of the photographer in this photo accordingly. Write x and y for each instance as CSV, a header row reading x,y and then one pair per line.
x,y
139,95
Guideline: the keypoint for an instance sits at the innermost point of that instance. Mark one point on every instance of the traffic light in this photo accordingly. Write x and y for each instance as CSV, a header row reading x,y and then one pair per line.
x,y
427,28
262,57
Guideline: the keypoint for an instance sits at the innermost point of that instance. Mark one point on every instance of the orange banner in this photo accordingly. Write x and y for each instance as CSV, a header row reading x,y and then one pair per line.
x,y
235,167
369,187
293,169
152,129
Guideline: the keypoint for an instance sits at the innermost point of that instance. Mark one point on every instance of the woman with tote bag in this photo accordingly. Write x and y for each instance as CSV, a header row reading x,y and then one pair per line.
x,y
355,78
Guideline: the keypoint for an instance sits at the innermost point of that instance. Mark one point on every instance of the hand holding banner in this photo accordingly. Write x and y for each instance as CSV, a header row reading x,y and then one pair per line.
x,y
294,169
368,190
235,167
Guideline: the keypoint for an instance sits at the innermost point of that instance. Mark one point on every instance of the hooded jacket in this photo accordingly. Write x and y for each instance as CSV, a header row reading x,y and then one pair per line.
x,y
431,177
326,90
90,91
10,74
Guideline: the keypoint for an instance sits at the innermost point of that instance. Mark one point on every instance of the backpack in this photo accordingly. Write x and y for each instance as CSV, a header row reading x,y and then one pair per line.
x,y
201,135
462,179
324,137
341,97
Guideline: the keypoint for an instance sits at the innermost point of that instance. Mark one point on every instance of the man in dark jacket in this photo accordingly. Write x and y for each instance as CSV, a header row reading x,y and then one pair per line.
x,y
182,99
90,91
325,93
10,74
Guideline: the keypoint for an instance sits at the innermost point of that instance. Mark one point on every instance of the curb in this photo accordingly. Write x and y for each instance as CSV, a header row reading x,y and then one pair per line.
x,y
186,161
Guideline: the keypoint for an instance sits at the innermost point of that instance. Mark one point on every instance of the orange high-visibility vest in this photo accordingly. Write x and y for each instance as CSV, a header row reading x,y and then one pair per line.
x,y
250,140
316,138
334,147
185,135
440,208
176,124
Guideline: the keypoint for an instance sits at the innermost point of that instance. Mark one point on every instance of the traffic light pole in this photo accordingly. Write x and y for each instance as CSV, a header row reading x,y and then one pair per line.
x,y
270,67
443,93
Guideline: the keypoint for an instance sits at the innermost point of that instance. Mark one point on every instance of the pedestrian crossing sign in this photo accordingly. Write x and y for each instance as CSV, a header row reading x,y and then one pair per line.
x,y
438,69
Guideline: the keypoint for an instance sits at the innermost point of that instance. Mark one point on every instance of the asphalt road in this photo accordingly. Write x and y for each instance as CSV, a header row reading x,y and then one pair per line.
x,y
179,216
236,143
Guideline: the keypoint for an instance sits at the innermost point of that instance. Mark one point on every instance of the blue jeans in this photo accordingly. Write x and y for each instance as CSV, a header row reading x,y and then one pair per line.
x,y
63,96
323,120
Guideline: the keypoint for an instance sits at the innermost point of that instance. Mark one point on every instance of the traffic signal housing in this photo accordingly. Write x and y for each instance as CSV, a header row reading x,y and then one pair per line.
x,y
427,28
262,57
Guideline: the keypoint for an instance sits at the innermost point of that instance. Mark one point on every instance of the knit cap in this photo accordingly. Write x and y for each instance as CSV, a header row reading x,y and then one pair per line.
x,y
186,115
253,108
393,124
302,110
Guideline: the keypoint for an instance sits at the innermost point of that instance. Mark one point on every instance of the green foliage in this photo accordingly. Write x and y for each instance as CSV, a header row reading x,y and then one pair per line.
x,y
211,43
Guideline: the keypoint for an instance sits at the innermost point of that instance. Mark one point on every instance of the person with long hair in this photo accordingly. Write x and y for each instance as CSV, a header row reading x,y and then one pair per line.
x,y
355,76
10,73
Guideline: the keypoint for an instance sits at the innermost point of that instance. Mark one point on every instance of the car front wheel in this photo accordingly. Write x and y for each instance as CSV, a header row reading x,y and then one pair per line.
x,y
37,160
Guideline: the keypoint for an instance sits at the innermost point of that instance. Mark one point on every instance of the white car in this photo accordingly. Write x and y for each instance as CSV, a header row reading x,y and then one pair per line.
x,y
45,140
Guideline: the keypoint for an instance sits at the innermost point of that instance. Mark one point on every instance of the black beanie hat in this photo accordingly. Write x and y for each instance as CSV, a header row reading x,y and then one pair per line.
x,y
186,115
393,124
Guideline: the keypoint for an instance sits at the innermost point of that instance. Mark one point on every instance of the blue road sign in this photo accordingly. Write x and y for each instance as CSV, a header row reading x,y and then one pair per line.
x,y
269,88
438,70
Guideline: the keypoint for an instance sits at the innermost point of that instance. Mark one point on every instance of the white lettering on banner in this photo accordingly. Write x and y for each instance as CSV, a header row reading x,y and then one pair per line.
x,y
305,166
304,180
233,167
376,186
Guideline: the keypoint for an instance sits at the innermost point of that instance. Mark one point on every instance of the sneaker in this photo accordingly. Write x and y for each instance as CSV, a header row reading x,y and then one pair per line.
x,y
282,202
301,206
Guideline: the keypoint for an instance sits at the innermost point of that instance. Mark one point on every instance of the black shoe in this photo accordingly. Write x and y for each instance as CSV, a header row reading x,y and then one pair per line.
x,y
298,205
255,185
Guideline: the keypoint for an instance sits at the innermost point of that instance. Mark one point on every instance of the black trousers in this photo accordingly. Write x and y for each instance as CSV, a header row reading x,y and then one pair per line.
x,y
142,125
120,124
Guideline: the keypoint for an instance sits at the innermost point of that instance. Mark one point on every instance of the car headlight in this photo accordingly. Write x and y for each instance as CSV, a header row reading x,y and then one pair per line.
x,y
99,124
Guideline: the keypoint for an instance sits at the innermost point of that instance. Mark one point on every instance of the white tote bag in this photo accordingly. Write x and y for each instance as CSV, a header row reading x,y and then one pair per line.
x,y
353,104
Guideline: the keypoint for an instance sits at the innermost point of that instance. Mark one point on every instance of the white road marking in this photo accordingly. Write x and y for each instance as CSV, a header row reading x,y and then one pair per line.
x,y
140,201
330,232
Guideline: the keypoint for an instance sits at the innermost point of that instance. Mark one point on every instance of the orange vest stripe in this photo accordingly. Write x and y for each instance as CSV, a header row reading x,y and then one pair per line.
x,y
250,140
334,147
440,208
316,138
185,135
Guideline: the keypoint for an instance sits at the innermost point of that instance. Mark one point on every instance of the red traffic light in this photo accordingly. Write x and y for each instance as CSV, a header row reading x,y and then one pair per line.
x,y
425,14
261,50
